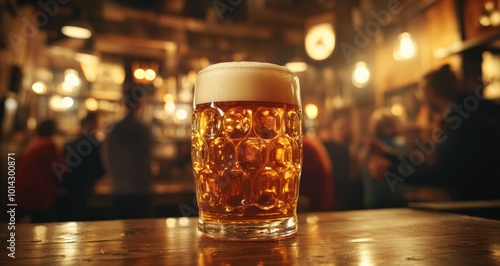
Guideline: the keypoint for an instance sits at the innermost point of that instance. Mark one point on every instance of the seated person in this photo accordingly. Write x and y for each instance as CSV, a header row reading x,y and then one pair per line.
x,y
316,181
466,145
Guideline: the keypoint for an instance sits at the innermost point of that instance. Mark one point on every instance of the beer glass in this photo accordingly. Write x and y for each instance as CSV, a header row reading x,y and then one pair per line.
x,y
247,150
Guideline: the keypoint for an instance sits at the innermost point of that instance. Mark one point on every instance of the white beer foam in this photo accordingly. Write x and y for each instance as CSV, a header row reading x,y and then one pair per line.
x,y
247,81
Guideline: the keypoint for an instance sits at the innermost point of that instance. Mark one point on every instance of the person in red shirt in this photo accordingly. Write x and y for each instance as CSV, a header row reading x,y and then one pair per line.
x,y
37,181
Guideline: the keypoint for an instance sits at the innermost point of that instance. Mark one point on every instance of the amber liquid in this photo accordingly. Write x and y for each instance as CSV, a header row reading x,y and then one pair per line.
x,y
247,159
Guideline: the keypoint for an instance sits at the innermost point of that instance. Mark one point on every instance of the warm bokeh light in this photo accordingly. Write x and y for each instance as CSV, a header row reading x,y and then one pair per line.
x,y
183,221
171,47
91,104
31,123
10,104
139,73
72,81
169,104
320,41
311,111
58,103
67,102
185,96
397,109
312,219
89,71
192,77
72,78
168,98
169,107
89,64
405,47
149,74
296,66
76,32
495,18
338,102
66,87
485,20
204,62
159,114
181,114
158,82
171,222
360,75
118,75
40,231
55,102
171,84
39,87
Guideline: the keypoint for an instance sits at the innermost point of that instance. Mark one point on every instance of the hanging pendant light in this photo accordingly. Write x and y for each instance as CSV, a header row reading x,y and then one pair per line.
x,y
77,27
405,47
360,75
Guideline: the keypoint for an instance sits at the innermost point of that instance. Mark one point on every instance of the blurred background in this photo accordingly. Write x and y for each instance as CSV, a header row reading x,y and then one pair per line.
x,y
351,57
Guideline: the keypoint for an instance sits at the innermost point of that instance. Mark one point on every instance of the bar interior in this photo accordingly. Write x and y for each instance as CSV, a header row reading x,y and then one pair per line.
x,y
400,100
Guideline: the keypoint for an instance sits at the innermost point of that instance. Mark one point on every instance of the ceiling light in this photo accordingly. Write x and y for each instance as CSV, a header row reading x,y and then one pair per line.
x,y
77,27
360,75
405,47
78,32
320,41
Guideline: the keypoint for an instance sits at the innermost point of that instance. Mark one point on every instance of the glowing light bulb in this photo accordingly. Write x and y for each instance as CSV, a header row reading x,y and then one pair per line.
x,y
139,73
405,47
149,74
67,102
311,111
360,75
39,87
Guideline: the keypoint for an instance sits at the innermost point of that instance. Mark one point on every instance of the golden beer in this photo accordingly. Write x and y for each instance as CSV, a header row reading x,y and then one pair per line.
x,y
247,150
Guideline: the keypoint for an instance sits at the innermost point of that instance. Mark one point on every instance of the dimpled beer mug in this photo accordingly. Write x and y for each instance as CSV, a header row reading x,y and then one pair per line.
x,y
247,150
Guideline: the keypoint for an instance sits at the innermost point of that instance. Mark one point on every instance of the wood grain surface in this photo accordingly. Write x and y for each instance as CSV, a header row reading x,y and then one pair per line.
x,y
368,237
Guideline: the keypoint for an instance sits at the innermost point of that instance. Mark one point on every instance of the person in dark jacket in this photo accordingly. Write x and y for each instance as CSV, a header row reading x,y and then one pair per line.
x,y
84,168
127,155
466,146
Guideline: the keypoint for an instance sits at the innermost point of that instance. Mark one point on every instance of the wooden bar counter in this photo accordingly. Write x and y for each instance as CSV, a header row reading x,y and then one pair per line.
x,y
370,237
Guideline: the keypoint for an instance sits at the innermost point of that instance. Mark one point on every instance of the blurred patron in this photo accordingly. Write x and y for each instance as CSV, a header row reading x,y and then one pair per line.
x,y
387,142
83,157
37,178
337,147
127,154
316,182
466,145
